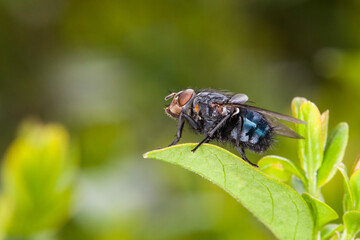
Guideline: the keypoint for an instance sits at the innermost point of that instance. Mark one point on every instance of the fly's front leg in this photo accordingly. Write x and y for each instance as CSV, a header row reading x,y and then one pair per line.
x,y
179,130
191,122
212,132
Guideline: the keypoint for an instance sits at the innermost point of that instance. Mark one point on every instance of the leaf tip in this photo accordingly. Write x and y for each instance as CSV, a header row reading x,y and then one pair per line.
x,y
298,100
344,125
145,155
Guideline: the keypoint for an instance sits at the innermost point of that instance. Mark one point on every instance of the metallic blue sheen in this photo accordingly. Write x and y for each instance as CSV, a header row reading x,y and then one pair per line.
x,y
254,129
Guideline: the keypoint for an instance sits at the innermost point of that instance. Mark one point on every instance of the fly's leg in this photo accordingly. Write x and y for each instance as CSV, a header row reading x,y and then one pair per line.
x,y
205,140
212,132
240,126
237,144
179,130
191,121
243,156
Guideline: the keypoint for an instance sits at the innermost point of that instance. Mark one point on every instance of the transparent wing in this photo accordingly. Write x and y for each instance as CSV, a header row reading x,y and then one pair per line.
x,y
266,112
282,129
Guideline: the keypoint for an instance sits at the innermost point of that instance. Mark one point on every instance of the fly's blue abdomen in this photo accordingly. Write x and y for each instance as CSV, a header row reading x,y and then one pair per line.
x,y
254,127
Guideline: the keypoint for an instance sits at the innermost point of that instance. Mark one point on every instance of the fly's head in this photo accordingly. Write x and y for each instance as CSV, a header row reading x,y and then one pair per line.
x,y
181,100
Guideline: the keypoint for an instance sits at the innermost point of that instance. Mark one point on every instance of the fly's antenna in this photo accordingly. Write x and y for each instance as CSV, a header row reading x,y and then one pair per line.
x,y
169,96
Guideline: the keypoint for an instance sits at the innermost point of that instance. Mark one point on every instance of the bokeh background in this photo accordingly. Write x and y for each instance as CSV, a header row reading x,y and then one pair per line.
x,y
102,70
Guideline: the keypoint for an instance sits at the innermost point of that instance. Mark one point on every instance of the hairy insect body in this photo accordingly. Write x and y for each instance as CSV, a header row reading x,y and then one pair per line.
x,y
252,128
256,132
206,112
226,118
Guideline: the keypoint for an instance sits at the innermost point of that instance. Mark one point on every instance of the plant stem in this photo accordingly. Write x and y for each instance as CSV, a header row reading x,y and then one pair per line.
x,y
316,235
312,185
346,236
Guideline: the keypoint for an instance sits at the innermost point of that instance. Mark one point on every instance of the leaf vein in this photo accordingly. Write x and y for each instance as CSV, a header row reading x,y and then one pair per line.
x,y
271,197
223,168
297,216
177,161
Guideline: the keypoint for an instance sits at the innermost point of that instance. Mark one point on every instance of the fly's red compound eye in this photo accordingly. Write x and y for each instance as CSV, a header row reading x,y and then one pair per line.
x,y
185,96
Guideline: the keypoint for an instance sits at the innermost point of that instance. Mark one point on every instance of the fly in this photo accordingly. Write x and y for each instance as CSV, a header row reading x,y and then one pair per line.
x,y
227,118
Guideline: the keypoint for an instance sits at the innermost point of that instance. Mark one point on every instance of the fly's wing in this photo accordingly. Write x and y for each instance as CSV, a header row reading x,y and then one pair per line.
x,y
239,98
279,128
267,112
282,129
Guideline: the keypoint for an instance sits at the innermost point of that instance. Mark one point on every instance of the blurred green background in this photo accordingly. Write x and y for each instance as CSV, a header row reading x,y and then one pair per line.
x,y
102,70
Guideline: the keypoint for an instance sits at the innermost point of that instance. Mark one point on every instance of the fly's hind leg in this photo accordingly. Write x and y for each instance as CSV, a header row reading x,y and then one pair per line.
x,y
241,149
243,156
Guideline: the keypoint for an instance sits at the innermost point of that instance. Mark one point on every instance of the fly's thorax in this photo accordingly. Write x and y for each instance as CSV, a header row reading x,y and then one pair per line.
x,y
219,110
198,109
182,101
209,106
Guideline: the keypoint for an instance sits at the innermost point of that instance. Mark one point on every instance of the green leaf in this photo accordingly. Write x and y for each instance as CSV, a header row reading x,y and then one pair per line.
x,y
310,149
324,127
330,230
357,164
279,207
334,153
280,168
37,176
298,185
355,184
322,213
352,224
349,202
296,104
5,216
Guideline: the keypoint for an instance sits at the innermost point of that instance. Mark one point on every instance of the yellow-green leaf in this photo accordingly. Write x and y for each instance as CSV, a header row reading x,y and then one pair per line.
x,y
296,104
349,202
298,185
324,127
355,184
310,149
330,230
322,213
357,164
280,168
5,216
37,174
275,204
352,224
334,153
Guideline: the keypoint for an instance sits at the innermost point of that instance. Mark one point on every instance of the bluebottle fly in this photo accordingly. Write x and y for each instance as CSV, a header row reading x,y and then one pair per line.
x,y
227,117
